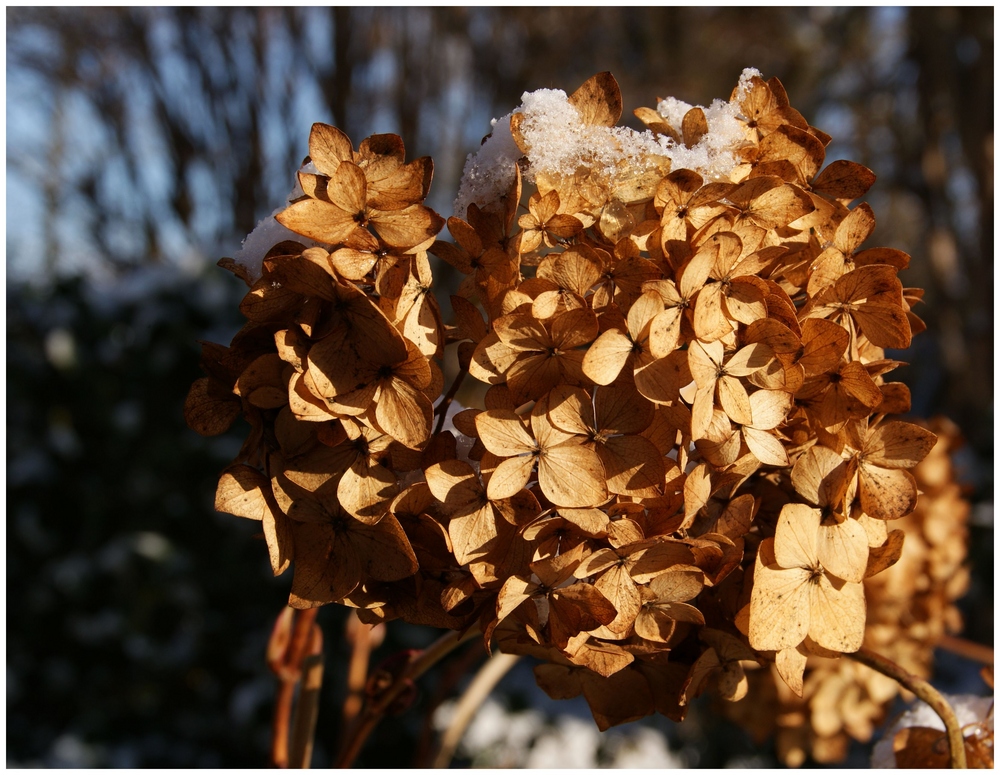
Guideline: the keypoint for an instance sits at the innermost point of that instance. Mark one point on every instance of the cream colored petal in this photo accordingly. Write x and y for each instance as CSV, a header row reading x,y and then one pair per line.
x,y
837,618
734,400
606,357
642,313
710,322
665,331
572,476
749,359
796,536
510,477
843,550
765,447
470,533
791,664
502,433
886,493
779,608
768,408
705,362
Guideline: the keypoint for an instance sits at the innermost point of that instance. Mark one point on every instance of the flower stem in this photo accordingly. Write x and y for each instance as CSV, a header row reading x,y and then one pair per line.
x,y
359,635
486,679
419,664
294,635
448,398
968,649
456,669
307,707
927,693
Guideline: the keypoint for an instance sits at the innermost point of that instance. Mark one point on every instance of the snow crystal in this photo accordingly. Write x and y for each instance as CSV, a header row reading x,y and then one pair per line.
x,y
743,87
712,157
489,172
673,111
559,143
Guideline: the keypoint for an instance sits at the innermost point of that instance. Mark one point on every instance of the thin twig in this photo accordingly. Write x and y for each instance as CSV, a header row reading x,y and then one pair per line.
x,y
486,679
977,652
277,650
420,663
927,693
443,688
448,398
290,640
362,638
280,725
302,638
307,707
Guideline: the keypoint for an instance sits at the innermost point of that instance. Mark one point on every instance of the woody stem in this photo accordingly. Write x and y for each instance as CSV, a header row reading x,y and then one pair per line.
x,y
448,398
359,634
307,708
927,693
485,680
288,665
977,652
419,664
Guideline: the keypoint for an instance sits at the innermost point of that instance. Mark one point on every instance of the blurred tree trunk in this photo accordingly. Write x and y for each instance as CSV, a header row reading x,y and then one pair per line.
x,y
956,111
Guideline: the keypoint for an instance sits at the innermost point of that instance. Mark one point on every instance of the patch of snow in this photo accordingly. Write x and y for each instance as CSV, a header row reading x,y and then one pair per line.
x,y
644,748
496,737
673,111
571,744
488,172
265,235
559,143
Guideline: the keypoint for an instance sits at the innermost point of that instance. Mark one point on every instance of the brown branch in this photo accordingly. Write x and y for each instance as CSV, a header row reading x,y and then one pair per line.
x,y
448,398
927,693
363,639
277,648
307,708
443,689
977,652
293,634
280,724
419,664
489,675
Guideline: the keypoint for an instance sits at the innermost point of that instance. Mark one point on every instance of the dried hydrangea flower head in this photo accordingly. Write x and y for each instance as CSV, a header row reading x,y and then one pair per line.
x,y
683,462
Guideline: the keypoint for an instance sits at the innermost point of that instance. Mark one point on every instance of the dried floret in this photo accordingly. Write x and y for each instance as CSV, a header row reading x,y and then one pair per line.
x,y
807,582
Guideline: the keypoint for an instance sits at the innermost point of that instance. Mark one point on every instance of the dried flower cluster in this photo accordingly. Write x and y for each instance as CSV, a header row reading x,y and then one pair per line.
x,y
910,607
683,461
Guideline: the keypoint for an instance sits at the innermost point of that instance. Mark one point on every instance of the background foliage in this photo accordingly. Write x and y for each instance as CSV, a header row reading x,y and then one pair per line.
x,y
142,144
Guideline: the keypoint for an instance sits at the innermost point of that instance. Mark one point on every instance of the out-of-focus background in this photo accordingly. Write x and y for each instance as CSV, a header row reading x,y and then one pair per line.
x,y
143,144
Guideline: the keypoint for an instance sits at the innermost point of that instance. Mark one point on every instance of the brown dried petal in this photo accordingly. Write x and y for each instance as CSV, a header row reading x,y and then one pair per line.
x,y
241,492
886,493
208,409
599,100
318,220
328,147
898,445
